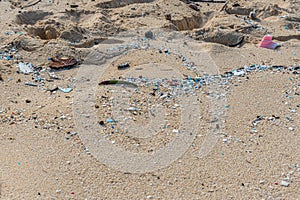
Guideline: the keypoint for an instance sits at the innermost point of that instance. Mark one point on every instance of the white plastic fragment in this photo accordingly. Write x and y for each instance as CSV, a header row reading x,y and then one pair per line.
x,y
65,90
132,109
238,73
26,68
285,183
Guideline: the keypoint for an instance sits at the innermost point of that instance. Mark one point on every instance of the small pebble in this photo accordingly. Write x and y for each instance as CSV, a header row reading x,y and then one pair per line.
x,y
149,35
168,17
74,6
73,133
252,15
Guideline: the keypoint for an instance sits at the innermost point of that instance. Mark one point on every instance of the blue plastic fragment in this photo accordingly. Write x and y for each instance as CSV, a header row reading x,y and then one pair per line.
x,y
31,84
197,79
262,67
109,120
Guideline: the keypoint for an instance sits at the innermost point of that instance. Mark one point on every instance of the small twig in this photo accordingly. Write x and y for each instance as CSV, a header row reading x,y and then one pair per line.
x,y
208,1
224,6
32,4
238,43
245,27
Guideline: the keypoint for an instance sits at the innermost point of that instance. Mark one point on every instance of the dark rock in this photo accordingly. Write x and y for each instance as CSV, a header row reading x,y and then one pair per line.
x,y
149,34
194,7
168,16
74,6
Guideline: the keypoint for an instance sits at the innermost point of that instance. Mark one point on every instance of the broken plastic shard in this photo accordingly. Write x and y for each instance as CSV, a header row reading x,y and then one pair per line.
x,y
26,68
285,183
65,90
109,120
268,43
31,84
132,109
238,73
257,120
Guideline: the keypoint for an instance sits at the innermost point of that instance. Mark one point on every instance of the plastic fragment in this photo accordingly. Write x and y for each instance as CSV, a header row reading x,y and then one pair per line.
x,y
238,73
132,109
257,120
109,120
65,90
31,84
26,68
268,43
285,183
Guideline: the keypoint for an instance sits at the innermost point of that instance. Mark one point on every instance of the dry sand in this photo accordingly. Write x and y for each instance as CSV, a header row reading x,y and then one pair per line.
x,y
48,152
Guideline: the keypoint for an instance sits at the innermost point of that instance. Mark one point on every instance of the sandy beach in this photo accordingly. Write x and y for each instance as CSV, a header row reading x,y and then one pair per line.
x,y
149,99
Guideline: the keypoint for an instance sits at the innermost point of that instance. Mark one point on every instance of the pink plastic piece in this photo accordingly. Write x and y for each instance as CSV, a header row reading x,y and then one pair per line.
x,y
267,42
